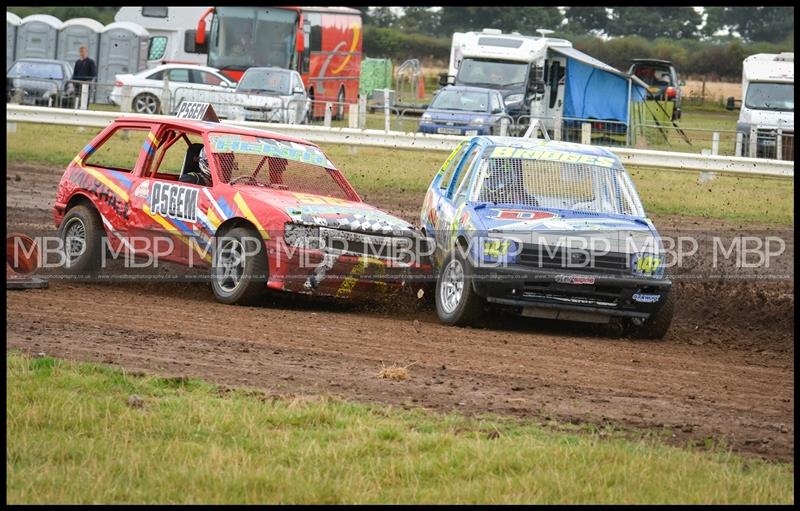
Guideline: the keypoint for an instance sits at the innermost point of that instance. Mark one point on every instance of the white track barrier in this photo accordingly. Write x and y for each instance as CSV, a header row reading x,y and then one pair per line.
x,y
400,140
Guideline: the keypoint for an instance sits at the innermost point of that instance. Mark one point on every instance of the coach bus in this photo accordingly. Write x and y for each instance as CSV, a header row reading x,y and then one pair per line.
x,y
323,44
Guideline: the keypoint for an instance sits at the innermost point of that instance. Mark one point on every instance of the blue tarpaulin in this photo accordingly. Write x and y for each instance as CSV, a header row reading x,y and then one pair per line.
x,y
592,93
595,90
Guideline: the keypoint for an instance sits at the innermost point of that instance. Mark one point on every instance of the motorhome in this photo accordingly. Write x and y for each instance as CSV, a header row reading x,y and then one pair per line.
x,y
544,78
767,109
512,63
168,27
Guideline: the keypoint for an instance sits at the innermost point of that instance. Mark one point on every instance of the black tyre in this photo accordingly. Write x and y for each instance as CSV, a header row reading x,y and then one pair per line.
x,y
81,232
240,269
657,325
339,106
146,103
457,303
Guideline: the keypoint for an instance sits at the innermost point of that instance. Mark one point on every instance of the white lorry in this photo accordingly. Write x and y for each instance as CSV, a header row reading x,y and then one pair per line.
x,y
168,27
515,65
766,118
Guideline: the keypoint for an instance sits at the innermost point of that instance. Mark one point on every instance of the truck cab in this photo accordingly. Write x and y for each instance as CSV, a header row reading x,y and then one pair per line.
x,y
767,105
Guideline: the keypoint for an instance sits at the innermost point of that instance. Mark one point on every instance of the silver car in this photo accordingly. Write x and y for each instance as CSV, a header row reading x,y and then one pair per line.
x,y
43,82
272,94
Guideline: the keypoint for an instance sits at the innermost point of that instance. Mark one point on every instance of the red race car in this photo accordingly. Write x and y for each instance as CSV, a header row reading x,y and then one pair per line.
x,y
272,213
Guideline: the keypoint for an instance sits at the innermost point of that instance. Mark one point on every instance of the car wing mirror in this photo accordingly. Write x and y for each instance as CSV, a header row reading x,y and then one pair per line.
x,y
730,103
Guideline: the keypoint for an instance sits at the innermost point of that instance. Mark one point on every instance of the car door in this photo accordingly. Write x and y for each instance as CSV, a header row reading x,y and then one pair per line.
x,y
164,209
181,86
448,208
112,168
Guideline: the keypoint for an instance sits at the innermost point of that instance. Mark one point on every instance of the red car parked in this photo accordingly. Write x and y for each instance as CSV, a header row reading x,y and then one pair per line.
x,y
277,214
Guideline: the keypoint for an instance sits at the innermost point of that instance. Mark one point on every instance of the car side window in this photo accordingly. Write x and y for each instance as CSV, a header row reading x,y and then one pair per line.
x,y
205,78
462,181
179,75
450,166
120,151
169,159
156,76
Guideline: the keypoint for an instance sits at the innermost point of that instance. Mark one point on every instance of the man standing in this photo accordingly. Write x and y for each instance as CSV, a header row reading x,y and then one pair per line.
x,y
85,70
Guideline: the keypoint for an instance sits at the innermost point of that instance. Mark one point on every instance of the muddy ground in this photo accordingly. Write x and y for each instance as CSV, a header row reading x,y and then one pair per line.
x,y
724,372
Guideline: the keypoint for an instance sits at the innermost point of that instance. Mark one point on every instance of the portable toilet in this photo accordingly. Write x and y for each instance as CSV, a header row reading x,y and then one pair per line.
x,y
12,23
37,36
123,49
79,32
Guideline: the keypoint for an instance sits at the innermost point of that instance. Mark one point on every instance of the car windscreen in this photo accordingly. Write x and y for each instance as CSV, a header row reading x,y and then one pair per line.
x,y
491,73
36,70
770,96
264,80
461,100
280,165
540,179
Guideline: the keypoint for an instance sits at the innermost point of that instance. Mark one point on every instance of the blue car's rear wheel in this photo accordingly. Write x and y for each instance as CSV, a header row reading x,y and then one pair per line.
x,y
457,303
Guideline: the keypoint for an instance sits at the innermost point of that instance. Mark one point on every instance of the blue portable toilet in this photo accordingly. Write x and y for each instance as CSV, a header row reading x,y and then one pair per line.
x,y
37,37
12,23
123,49
77,32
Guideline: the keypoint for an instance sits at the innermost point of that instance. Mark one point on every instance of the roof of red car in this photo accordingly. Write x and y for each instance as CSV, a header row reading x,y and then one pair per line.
x,y
206,126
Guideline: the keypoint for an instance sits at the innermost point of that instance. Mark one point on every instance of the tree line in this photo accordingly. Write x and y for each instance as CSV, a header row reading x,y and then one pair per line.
x,y
712,45
752,24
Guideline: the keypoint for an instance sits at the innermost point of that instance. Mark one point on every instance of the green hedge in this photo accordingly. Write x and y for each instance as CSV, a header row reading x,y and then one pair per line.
x,y
397,45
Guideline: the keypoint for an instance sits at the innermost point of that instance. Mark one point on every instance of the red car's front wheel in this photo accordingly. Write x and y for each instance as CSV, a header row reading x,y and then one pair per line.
x,y
239,269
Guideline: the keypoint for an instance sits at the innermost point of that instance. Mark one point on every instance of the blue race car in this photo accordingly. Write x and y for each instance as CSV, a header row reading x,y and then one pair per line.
x,y
549,229
464,111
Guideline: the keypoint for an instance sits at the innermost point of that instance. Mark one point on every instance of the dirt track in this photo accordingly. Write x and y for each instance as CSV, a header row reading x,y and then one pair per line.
x,y
725,370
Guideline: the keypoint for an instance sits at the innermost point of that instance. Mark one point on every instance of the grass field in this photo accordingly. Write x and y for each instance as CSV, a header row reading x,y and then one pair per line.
x,y
698,125
378,170
75,436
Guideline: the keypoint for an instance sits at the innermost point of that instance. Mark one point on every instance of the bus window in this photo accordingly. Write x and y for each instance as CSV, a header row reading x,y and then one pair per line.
x,y
252,36
316,31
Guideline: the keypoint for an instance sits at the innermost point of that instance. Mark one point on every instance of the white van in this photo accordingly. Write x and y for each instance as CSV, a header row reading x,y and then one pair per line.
x,y
767,106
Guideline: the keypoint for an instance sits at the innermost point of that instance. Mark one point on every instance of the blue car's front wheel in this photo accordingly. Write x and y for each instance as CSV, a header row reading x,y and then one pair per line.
x,y
457,303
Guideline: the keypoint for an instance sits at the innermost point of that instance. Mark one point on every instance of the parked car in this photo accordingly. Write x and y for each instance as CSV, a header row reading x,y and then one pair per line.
x,y
662,81
267,94
43,82
146,88
275,95
548,230
275,214
460,110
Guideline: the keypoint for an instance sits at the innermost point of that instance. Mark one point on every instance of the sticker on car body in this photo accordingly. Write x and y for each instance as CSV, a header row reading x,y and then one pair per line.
x,y
646,298
562,156
174,201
